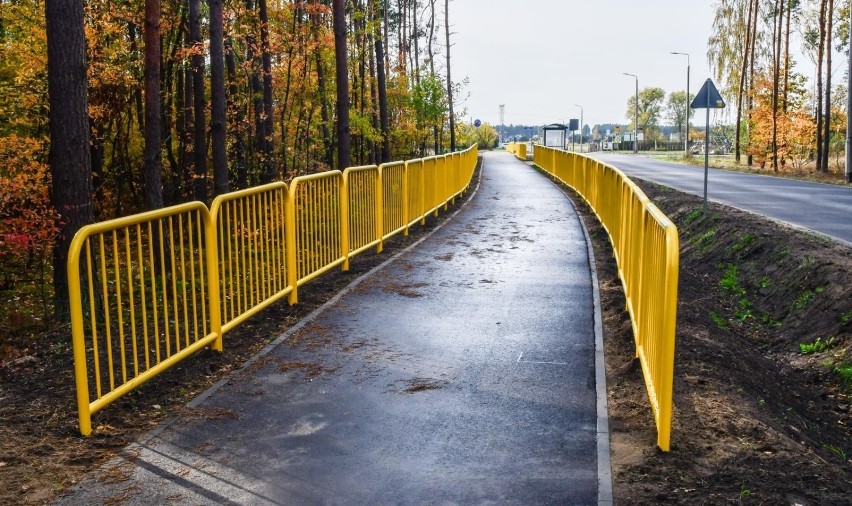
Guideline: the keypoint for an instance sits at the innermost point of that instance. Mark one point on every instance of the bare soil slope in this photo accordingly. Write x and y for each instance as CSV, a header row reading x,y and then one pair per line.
x,y
757,419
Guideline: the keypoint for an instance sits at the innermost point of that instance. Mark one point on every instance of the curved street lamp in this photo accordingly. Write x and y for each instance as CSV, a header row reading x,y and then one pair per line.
x,y
686,111
635,114
581,126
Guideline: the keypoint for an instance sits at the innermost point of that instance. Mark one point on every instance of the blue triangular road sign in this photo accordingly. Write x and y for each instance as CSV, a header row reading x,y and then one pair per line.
x,y
708,97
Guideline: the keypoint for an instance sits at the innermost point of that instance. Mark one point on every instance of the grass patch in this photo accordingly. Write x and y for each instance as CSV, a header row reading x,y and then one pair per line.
x,y
844,370
802,301
817,346
694,215
744,242
846,317
719,321
730,282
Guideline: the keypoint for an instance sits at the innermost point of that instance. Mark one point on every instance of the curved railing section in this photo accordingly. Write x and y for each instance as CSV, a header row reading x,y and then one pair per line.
x,y
646,247
519,149
148,291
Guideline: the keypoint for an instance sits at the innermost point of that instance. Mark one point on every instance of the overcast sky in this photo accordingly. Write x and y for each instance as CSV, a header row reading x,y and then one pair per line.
x,y
540,57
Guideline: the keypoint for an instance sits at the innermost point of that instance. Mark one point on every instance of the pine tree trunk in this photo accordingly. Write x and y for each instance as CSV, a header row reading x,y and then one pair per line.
x,y
153,155
750,98
383,94
826,142
69,157
199,106
217,99
342,72
819,88
741,91
776,69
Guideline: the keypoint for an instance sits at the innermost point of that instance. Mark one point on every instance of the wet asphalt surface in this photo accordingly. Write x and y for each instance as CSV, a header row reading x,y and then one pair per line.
x,y
461,373
820,207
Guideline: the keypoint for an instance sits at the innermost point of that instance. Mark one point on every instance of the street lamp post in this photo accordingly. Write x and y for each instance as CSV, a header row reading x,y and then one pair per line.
x,y
581,126
686,111
635,114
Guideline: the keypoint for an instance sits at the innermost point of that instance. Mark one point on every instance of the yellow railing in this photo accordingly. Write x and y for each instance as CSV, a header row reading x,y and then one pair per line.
x,y
251,250
144,295
149,290
519,149
646,247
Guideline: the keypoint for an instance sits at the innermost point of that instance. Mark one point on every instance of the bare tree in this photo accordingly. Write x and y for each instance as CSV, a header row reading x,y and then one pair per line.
x,y
69,158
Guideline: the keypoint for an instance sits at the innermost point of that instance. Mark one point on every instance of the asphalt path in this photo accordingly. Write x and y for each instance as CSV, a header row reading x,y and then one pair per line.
x,y
823,208
462,372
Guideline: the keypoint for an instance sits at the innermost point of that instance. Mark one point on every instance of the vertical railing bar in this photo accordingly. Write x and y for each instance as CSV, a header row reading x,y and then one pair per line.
x,y
143,297
119,310
107,326
134,347
185,320
192,280
96,359
203,245
154,305
173,277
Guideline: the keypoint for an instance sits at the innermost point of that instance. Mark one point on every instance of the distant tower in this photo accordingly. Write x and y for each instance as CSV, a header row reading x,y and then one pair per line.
x,y
502,115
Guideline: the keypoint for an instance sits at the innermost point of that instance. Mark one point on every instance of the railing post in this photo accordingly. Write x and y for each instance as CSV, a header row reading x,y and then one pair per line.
x,y
422,191
290,245
212,257
77,337
380,209
344,220
406,201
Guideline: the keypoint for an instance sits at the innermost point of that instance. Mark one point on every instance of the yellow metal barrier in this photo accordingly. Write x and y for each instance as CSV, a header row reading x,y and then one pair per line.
x,y
144,295
416,192
394,198
519,149
251,231
363,188
149,290
318,227
646,247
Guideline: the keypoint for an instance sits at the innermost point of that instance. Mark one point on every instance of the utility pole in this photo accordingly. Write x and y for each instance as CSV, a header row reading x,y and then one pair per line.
x,y
502,120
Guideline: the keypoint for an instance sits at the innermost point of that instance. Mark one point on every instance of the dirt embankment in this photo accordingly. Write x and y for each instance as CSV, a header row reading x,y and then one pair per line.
x,y
763,374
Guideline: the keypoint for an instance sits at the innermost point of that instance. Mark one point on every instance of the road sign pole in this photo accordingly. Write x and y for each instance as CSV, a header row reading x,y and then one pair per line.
x,y
706,156
708,98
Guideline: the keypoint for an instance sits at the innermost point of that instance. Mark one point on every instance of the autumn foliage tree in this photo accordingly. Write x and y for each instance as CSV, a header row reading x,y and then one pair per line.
x,y
192,98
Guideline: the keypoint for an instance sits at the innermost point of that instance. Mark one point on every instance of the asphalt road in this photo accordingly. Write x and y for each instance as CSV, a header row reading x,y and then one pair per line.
x,y
463,372
819,207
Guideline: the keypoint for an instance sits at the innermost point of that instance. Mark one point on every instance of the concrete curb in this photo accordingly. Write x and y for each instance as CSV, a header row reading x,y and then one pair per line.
x,y
602,436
